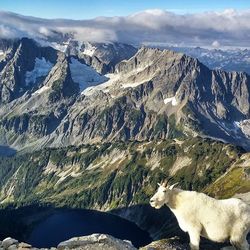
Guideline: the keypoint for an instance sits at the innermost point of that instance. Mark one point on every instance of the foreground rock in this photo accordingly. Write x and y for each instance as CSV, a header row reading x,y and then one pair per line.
x,y
90,242
166,244
107,242
96,241
12,244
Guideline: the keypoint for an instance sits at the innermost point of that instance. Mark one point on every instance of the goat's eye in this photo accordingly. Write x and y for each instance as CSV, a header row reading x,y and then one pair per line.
x,y
164,191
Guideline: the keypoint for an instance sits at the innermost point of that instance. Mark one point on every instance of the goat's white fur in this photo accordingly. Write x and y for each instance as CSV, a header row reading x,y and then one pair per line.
x,y
201,215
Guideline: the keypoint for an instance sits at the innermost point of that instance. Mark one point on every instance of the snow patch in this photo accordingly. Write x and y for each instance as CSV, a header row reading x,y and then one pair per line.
x,y
84,75
105,87
244,126
89,49
172,100
1,52
41,68
60,47
132,85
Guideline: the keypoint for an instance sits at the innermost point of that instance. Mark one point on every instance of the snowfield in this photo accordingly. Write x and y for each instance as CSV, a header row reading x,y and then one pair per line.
x,y
84,75
105,87
244,126
41,68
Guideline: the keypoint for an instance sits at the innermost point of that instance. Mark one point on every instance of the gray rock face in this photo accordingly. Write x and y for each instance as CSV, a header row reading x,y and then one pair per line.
x,y
21,59
228,60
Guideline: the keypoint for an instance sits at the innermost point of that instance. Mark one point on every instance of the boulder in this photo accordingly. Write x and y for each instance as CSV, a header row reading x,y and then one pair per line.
x,y
6,243
96,241
24,246
13,247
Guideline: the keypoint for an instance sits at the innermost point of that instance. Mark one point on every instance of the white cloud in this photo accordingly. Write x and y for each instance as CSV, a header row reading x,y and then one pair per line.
x,y
229,27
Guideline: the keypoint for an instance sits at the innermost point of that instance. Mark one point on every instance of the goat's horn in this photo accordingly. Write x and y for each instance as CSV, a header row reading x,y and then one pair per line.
x,y
172,186
165,183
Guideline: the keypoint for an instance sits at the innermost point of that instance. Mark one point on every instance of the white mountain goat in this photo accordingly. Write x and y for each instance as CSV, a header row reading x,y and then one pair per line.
x,y
201,215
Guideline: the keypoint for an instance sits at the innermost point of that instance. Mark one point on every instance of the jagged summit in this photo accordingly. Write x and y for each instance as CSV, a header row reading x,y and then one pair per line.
x,y
101,56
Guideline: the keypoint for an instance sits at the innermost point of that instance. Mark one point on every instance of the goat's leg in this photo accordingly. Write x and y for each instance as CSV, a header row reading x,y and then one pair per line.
x,y
240,243
244,245
194,240
240,246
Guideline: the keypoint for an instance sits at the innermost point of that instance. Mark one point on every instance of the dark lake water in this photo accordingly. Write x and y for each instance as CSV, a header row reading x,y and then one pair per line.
x,y
64,225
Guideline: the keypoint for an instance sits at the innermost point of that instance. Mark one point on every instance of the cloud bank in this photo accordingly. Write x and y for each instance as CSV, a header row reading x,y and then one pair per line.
x,y
227,28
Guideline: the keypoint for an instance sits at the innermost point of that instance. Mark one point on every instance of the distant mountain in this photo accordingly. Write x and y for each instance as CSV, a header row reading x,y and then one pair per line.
x,y
227,59
55,98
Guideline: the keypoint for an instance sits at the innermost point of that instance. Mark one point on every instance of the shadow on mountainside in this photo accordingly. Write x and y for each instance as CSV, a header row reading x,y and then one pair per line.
x,y
7,151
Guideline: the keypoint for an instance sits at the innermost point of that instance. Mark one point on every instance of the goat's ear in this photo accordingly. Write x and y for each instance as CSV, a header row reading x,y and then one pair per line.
x,y
159,184
172,186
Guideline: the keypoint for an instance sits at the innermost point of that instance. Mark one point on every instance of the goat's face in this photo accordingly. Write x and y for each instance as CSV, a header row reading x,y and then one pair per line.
x,y
160,197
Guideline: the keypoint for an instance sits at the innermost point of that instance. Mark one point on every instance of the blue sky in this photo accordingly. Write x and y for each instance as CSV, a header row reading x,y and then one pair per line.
x,y
87,9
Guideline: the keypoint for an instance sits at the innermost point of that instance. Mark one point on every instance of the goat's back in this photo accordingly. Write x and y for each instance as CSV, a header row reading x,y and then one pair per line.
x,y
216,217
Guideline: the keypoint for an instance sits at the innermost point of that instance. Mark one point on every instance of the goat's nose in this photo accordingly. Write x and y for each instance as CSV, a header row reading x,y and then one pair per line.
x,y
151,200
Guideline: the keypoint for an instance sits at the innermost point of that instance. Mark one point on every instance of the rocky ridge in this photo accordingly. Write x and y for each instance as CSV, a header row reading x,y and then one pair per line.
x,y
225,59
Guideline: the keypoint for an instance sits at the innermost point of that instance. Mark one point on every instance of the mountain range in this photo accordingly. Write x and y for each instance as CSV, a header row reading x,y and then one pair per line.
x,y
74,93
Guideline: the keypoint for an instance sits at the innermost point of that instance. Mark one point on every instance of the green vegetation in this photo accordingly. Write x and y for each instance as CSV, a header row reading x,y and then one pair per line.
x,y
119,174
235,181
175,130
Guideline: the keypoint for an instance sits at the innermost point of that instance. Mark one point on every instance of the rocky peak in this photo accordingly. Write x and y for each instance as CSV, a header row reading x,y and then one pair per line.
x,y
60,80
105,56
101,56
27,65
